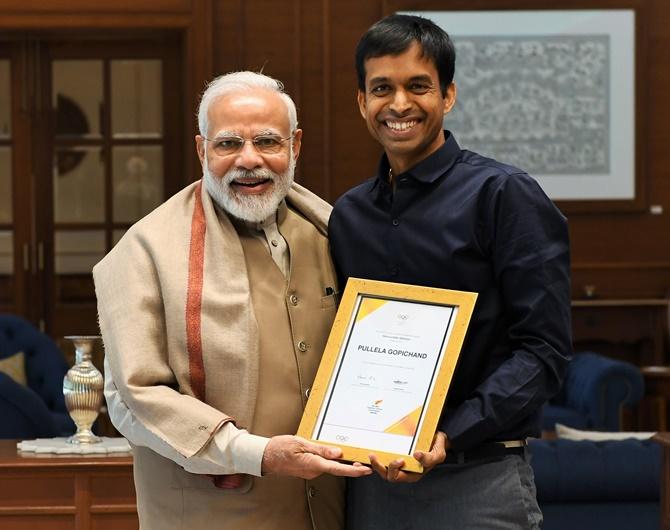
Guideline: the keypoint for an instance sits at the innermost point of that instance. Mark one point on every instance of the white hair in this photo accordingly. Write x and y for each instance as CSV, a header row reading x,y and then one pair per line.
x,y
236,82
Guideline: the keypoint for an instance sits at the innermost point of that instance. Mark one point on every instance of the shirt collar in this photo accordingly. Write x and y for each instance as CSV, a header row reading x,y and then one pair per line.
x,y
430,168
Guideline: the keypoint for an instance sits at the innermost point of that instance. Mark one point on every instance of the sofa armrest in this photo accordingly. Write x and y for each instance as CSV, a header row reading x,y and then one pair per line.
x,y
597,387
24,414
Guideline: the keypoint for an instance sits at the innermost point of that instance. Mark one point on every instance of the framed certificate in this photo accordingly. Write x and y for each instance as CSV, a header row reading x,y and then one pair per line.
x,y
386,370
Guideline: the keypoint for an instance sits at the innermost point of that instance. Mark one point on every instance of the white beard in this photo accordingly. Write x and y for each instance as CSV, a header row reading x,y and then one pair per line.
x,y
253,208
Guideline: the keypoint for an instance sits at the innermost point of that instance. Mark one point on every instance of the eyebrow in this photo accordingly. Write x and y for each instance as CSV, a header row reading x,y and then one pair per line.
x,y
376,80
381,79
262,132
268,132
425,78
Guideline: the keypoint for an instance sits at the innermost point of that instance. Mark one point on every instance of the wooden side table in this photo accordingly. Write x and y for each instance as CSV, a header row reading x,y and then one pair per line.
x,y
664,439
65,492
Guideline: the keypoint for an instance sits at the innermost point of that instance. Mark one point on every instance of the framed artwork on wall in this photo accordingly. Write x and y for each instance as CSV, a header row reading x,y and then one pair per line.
x,y
555,93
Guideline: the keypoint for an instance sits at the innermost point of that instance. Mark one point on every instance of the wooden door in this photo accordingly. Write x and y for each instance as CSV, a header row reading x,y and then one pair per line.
x,y
97,149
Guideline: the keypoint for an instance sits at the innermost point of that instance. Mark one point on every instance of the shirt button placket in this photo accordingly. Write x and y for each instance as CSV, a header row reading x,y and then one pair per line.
x,y
394,268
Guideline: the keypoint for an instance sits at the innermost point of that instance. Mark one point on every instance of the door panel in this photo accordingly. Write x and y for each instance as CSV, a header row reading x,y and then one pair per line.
x,y
95,132
137,98
6,207
77,97
109,163
79,185
7,236
137,173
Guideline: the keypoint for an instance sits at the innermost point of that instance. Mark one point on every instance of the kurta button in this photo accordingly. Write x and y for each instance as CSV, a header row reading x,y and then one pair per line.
x,y
302,345
395,222
293,299
307,391
274,242
311,492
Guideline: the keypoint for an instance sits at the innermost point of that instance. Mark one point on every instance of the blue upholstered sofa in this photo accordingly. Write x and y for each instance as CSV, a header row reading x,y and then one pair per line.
x,y
587,485
37,409
594,390
609,485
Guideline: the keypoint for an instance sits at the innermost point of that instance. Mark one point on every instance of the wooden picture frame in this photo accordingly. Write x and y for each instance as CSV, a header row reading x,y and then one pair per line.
x,y
386,370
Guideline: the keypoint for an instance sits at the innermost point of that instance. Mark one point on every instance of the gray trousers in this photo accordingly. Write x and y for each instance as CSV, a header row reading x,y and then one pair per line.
x,y
484,495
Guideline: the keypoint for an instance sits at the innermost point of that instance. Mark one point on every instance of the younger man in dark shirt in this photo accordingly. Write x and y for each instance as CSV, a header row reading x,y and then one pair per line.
x,y
440,216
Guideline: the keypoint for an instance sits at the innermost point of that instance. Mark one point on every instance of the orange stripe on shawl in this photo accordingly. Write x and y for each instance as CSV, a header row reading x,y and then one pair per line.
x,y
196,264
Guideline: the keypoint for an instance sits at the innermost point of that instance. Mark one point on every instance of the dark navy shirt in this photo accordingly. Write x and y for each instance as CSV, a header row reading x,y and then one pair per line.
x,y
460,221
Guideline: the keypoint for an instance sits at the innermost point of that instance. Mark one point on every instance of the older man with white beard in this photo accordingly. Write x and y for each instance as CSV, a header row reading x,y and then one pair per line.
x,y
214,310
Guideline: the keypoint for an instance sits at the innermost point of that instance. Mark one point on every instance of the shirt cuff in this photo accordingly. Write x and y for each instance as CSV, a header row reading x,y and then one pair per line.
x,y
248,452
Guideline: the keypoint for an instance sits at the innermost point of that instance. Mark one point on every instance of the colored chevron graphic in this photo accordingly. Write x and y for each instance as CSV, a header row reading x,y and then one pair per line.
x,y
368,305
406,425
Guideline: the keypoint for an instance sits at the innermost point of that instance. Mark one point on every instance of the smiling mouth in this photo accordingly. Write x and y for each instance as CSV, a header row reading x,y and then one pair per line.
x,y
250,183
400,126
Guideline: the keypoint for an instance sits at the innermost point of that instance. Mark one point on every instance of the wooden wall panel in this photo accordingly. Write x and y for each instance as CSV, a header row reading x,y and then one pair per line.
x,y
629,254
229,30
354,153
102,6
313,90
272,39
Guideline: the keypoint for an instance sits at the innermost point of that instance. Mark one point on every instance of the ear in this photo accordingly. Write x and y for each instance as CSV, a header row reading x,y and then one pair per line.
x,y
200,148
297,142
361,102
450,98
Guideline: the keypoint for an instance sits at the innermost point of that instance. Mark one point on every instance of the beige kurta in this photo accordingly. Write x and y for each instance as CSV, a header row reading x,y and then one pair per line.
x,y
287,325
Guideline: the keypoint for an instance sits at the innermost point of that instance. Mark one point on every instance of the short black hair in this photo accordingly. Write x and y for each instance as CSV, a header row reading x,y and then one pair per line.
x,y
394,34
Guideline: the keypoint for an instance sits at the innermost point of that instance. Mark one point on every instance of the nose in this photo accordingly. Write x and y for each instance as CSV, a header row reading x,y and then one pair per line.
x,y
401,102
247,157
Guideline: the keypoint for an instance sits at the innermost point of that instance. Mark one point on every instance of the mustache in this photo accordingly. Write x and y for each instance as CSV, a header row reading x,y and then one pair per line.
x,y
258,173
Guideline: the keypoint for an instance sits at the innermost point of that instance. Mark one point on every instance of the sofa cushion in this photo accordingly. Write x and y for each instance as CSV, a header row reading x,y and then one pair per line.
x,y
585,471
15,367
568,433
